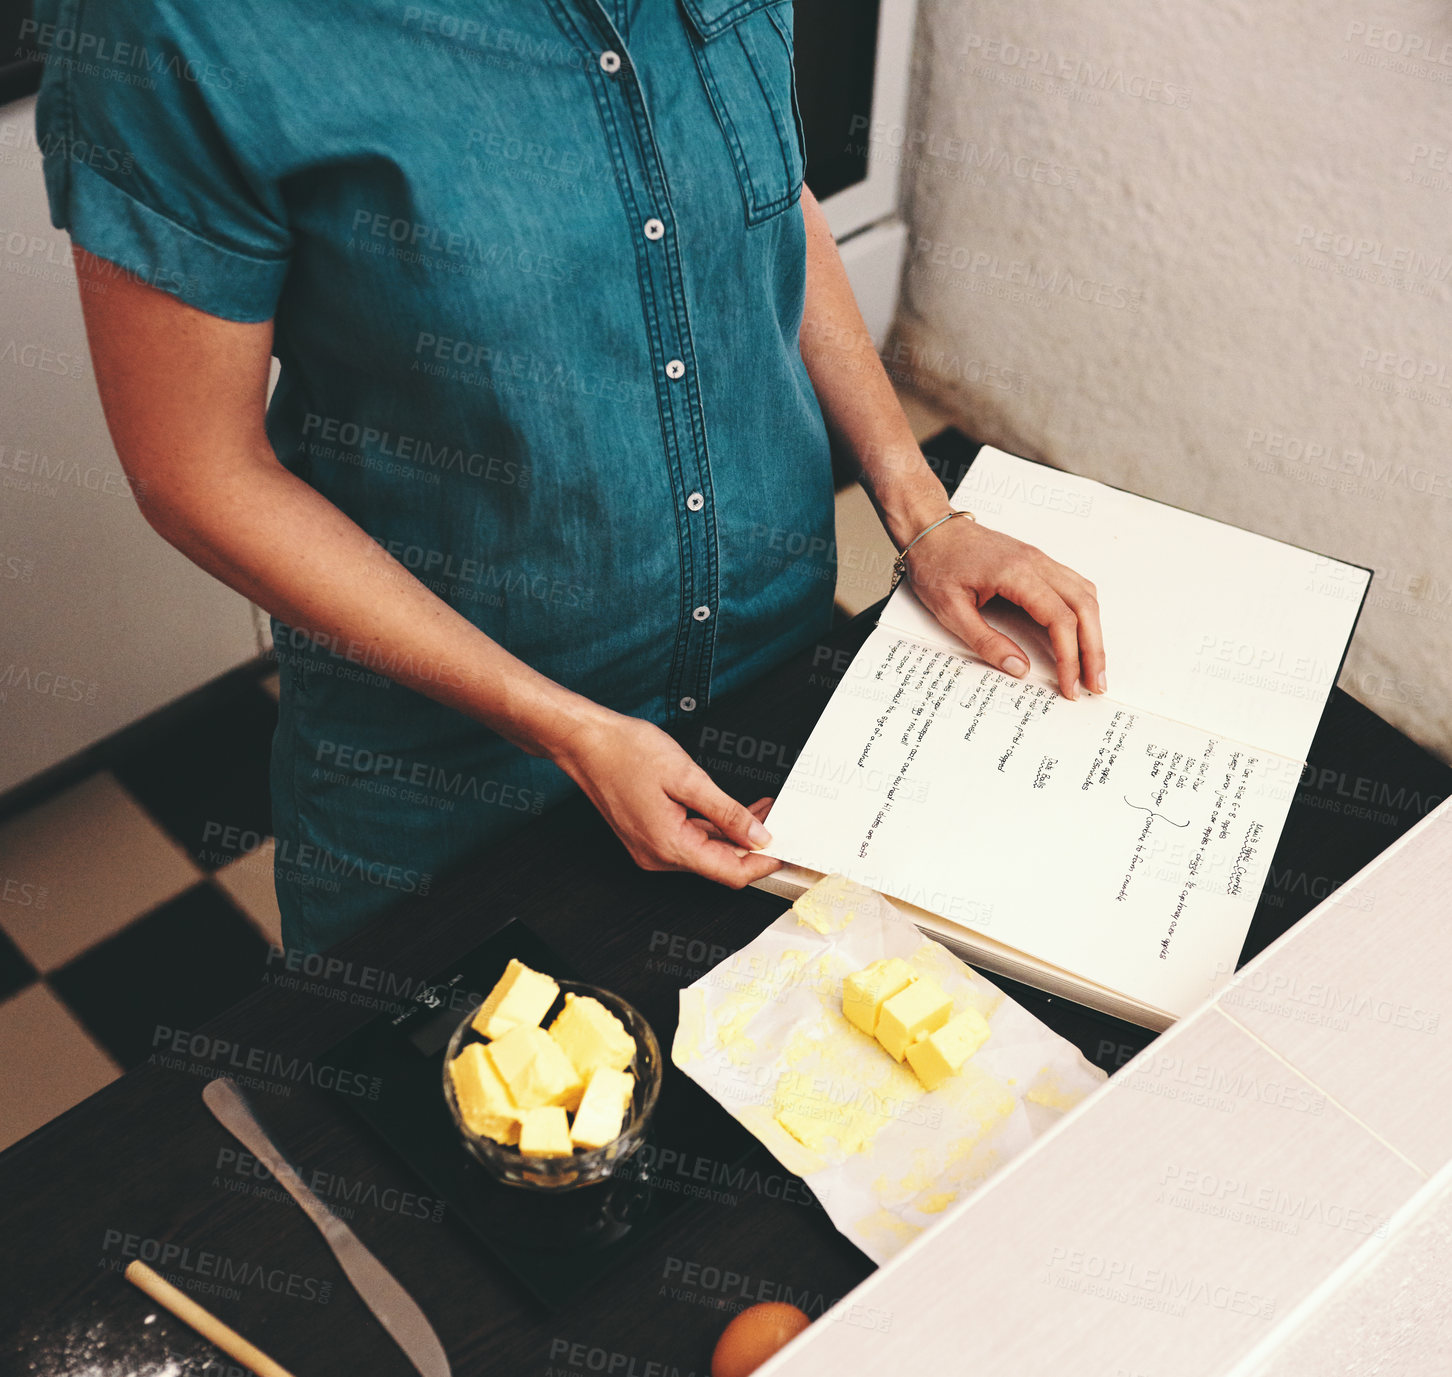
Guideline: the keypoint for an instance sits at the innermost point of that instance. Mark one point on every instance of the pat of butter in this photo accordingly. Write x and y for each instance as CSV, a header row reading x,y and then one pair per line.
x,y
534,1069
522,997
602,1108
864,991
912,1012
822,1123
939,1055
545,1132
591,1036
485,1104
809,1131
830,904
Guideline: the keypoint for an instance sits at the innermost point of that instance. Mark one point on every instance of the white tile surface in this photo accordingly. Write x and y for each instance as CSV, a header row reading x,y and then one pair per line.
x,y
1389,1312
90,860
1161,1229
1359,995
50,1062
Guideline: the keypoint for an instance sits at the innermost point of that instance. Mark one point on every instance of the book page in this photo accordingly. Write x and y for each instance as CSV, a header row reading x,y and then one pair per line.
x,y
1203,623
1123,847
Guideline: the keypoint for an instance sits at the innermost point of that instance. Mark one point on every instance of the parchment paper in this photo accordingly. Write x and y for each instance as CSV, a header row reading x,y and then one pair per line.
x,y
764,1031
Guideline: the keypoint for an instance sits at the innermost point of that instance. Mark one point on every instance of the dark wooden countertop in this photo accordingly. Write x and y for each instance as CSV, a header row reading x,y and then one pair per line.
x,y
140,1158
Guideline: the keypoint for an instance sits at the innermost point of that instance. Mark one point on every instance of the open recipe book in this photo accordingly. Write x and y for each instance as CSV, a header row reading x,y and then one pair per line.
x,y
1111,849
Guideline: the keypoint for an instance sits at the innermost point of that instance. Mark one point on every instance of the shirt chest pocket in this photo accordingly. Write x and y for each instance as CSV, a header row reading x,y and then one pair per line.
x,y
743,50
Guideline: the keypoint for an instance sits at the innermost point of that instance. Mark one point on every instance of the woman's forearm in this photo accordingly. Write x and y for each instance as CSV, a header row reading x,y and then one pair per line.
x,y
264,532
185,395
957,572
857,397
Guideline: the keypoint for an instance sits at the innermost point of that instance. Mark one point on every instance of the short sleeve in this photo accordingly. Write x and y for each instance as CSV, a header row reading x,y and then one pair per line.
x,y
151,152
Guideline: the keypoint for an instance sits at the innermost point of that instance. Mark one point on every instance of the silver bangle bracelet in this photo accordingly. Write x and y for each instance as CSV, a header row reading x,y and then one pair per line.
x,y
899,565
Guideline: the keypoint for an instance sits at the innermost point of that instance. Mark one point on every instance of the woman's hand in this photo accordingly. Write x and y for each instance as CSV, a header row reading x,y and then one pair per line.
x,y
646,787
956,568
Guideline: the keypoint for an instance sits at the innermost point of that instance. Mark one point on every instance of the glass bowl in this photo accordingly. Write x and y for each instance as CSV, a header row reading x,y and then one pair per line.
x,y
584,1165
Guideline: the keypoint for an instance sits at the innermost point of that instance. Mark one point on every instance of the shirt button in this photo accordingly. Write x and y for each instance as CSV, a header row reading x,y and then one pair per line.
x,y
654,229
610,62
701,613
688,704
675,369
695,502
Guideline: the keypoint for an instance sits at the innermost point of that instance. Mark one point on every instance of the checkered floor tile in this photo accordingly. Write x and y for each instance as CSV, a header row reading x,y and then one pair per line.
x,y
208,785
120,912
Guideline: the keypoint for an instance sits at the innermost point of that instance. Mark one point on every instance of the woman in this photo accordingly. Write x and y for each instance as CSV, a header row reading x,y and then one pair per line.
x,y
561,336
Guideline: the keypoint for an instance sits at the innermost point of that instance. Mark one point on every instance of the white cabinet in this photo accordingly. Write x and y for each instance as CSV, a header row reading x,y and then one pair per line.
x,y
101,621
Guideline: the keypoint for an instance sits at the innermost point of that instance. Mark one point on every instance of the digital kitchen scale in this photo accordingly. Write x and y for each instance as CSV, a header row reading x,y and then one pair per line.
x,y
555,1242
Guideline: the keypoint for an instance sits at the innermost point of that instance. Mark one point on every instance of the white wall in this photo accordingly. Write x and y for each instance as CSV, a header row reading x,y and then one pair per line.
x,y
1255,201
100,620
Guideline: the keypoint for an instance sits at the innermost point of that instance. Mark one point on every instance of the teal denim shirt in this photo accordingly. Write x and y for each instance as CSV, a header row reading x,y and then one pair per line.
x,y
537,275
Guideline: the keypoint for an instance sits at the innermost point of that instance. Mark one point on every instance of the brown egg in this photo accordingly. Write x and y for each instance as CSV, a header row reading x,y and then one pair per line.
x,y
753,1336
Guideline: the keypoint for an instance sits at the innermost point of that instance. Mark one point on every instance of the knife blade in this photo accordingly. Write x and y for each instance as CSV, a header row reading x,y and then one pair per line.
x,y
394,1308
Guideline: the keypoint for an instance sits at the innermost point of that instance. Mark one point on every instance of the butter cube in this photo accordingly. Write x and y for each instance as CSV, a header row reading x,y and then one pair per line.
x,y
485,1104
545,1132
522,997
603,1107
591,1036
913,1011
864,991
936,1056
534,1069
